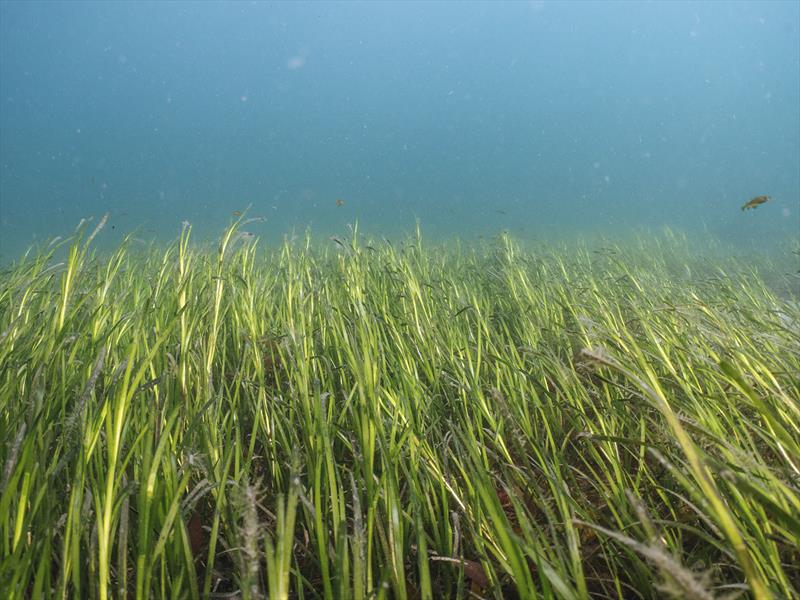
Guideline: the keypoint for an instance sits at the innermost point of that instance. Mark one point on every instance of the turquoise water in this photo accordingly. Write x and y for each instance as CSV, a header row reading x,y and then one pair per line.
x,y
546,119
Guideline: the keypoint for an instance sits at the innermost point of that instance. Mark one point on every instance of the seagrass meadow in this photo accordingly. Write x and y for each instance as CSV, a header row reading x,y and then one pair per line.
x,y
359,419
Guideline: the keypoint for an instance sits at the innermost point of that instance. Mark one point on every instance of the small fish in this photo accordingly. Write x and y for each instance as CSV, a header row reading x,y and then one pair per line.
x,y
339,202
237,213
757,201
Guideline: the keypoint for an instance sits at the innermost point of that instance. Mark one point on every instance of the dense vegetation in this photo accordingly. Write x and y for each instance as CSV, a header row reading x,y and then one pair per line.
x,y
363,420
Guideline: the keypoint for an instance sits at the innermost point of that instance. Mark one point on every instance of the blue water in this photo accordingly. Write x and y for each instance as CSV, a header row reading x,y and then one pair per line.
x,y
547,119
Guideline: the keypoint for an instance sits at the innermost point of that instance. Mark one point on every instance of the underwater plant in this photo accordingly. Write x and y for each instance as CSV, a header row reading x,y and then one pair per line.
x,y
366,420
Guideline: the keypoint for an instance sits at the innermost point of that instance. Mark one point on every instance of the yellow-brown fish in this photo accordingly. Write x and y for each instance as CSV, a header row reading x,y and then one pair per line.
x,y
339,202
237,213
757,201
